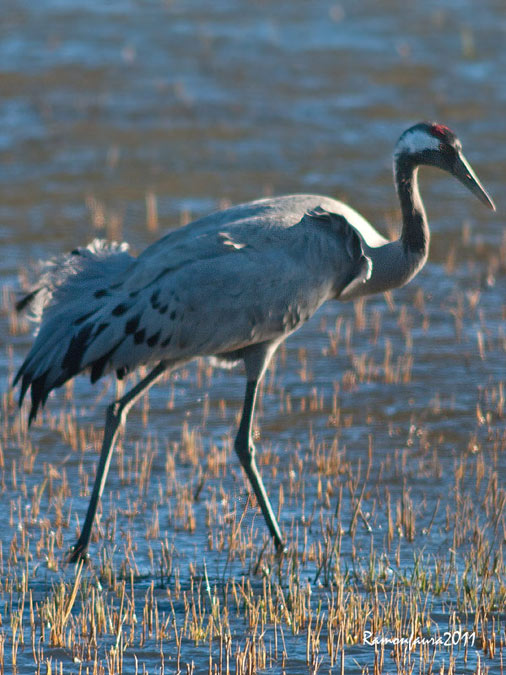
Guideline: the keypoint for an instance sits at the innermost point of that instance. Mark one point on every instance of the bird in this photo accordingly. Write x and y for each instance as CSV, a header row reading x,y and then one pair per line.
x,y
232,286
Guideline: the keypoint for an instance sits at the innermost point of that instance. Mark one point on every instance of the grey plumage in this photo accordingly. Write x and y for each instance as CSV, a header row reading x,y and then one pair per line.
x,y
248,274
60,303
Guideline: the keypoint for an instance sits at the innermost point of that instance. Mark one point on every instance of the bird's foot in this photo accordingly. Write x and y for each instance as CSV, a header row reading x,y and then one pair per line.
x,y
78,553
281,550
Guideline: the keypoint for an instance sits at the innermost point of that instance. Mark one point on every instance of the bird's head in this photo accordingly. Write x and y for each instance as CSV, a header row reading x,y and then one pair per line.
x,y
432,144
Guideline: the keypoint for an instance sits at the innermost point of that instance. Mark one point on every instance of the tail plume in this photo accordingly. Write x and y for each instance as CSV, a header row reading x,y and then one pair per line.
x,y
71,289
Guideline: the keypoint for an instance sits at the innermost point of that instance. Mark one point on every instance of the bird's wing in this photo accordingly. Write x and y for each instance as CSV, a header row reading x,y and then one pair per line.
x,y
210,305
230,288
261,223
244,286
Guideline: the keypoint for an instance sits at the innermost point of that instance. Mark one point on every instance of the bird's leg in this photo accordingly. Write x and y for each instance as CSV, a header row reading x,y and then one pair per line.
x,y
246,451
116,416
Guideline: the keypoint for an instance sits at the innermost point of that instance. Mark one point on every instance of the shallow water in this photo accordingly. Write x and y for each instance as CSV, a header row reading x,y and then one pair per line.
x,y
105,107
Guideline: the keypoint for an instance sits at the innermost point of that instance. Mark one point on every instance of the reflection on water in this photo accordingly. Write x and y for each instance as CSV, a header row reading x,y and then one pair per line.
x,y
109,111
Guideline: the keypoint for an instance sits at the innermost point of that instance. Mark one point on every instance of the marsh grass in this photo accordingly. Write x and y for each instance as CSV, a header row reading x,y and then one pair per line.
x,y
394,511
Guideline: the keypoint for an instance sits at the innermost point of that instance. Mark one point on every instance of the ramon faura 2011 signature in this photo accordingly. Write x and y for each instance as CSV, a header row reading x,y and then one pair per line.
x,y
446,639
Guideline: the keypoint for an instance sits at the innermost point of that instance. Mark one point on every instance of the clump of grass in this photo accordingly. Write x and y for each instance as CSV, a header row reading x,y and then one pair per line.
x,y
394,513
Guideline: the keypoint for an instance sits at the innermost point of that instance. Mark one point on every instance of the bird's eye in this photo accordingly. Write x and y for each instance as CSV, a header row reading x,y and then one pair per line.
x,y
447,150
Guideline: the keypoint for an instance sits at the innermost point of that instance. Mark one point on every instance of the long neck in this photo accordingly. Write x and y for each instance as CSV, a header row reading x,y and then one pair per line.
x,y
415,235
395,263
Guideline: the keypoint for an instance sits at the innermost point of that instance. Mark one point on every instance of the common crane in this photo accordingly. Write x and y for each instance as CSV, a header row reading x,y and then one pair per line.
x,y
232,285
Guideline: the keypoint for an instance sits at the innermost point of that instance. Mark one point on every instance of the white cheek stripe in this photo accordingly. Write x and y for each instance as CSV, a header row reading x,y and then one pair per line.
x,y
417,141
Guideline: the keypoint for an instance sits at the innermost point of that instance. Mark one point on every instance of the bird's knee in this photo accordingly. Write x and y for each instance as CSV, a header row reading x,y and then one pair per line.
x,y
115,413
245,450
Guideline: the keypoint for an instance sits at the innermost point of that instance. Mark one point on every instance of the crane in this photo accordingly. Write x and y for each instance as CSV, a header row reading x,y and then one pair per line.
x,y
232,285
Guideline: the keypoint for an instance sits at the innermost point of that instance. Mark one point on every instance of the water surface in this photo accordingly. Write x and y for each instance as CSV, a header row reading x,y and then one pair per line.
x,y
107,107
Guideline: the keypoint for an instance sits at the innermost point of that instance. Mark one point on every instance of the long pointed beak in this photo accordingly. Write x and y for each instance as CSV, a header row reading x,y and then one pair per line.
x,y
463,171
